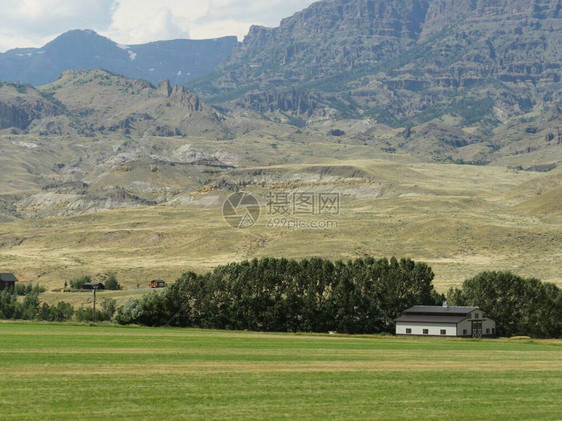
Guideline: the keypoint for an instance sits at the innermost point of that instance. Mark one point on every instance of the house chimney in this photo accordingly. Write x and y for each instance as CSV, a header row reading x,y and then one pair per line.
x,y
445,304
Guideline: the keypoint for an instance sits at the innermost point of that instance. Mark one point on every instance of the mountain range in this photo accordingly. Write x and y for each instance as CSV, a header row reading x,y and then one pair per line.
x,y
469,82
437,122
401,62
179,60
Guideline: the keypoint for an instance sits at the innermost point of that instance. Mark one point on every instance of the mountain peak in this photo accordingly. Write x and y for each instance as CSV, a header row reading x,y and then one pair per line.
x,y
177,60
80,32
78,40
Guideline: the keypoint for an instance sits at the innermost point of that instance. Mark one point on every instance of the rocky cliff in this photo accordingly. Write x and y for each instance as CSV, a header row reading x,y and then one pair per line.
x,y
21,104
403,62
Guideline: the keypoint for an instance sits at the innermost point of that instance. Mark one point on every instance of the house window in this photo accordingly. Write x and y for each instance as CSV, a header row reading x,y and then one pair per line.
x,y
426,331
470,316
464,332
443,332
487,331
476,316
408,331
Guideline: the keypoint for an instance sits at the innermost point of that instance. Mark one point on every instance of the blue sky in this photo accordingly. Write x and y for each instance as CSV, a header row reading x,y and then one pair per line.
x,y
32,23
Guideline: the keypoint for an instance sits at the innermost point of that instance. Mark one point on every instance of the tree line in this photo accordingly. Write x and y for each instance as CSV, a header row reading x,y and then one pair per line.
x,y
311,295
31,308
357,296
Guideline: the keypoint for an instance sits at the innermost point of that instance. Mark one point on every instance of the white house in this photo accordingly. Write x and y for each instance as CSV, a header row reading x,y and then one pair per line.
x,y
445,321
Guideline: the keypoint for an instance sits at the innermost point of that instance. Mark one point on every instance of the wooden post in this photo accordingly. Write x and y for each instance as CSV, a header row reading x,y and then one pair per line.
x,y
94,311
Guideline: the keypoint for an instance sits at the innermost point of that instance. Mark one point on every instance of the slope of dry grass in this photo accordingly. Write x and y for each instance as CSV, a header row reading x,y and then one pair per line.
x,y
459,219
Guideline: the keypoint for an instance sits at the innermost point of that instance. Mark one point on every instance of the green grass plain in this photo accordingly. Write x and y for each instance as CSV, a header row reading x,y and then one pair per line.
x,y
60,371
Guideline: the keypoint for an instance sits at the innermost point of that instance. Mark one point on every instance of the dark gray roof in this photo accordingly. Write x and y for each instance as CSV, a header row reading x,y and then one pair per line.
x,y
430,319
440,310
8,277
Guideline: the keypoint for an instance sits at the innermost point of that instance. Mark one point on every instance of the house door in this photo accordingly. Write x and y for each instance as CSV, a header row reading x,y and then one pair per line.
x,y
476,329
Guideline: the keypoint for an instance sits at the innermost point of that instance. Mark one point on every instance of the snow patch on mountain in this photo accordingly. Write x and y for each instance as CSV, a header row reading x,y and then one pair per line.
x,y
132,55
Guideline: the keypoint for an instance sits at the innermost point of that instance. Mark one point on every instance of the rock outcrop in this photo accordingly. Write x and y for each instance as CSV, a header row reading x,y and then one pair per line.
x,y
21,104
299,103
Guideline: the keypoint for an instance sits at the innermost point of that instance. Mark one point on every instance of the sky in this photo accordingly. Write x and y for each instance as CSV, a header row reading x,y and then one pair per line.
x,y
33,23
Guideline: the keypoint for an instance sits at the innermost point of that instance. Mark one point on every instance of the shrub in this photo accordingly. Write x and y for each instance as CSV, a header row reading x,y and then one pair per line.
x,y
110,282
9,306
79,282
150,310
104,313
29,308
20,289
61,312
130,312
84,314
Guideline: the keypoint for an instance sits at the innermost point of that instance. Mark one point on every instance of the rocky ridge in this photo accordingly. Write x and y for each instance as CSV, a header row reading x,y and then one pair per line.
x,y
402,62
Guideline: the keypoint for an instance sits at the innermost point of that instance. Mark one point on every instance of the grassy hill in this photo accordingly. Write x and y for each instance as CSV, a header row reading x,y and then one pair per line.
x,y
118,175
459,219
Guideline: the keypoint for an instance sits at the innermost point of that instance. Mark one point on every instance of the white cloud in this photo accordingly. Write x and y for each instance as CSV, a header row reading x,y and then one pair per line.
x,y
139,21
268,12
27,23
234,17
30,23
219,28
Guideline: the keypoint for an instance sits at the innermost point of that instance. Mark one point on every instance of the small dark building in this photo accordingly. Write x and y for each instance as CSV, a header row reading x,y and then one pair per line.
x,y
158,283
93,285
7,281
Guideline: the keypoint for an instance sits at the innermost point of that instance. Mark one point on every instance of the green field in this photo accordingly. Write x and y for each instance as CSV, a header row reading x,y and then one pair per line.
x,y
105,372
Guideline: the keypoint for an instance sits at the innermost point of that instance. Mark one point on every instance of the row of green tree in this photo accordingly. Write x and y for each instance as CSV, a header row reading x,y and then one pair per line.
x,y
312,295
29,288
358,296
31,308
519,306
